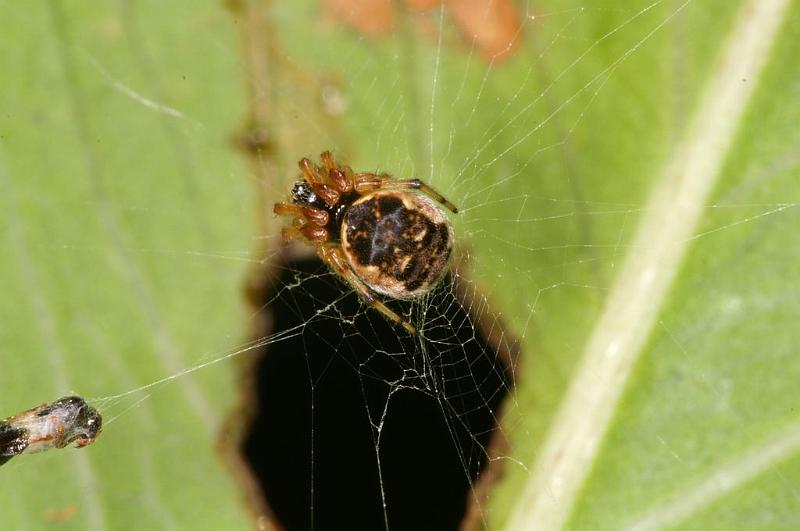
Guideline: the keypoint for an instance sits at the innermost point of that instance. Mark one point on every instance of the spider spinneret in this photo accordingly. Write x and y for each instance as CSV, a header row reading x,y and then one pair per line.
x,y
380,234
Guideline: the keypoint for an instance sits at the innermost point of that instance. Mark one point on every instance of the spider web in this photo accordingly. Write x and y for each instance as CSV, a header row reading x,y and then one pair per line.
x,y
479,141
541,230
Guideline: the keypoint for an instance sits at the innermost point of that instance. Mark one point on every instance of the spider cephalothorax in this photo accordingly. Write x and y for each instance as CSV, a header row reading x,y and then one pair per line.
x,y
380,234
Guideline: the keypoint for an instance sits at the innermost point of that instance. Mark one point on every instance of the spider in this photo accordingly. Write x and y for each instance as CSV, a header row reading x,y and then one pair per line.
x,y
376,232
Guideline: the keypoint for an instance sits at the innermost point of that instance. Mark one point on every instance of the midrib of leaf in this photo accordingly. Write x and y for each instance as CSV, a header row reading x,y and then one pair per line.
x,y
662,240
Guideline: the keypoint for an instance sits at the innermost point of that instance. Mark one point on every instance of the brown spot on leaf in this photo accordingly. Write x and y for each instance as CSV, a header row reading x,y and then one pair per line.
x,y
373,18
60,514
495,25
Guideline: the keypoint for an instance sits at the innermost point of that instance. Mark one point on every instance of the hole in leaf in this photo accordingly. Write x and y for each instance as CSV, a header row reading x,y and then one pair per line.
x,y
321,411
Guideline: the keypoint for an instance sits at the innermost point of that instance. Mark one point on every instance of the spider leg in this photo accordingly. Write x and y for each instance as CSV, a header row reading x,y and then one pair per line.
x,y
315,216
310,233
310,171
333,256
425,188
341,177
327,181
287,209
367,182
316,177
327,160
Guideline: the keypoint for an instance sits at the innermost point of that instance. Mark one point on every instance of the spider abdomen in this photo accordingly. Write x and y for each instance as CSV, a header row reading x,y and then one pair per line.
x,y
398,243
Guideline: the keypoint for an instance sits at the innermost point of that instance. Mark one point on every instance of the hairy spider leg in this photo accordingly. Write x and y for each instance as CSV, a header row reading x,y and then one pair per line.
x,y
327,160
310,171
315,235
313,215
309,222
332,255
341,177
317,179
368,182
329,192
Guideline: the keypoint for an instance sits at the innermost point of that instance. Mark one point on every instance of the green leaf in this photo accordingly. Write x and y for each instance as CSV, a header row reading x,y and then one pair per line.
x,y
123,239
127,235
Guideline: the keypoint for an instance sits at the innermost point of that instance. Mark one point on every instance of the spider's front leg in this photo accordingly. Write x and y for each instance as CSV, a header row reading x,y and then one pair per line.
x,y
332,255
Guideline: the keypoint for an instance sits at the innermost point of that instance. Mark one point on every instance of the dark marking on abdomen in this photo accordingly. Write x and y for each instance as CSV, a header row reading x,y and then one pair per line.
x,y
403,243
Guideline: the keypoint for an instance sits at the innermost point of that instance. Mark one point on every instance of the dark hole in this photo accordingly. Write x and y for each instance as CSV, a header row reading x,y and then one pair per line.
x,y
322,391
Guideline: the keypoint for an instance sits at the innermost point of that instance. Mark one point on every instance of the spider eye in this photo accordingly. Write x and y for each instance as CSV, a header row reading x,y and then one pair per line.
x,y
303,194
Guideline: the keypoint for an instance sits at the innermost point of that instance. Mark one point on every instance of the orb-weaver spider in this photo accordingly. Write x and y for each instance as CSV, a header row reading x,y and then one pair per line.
x,y
380,234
